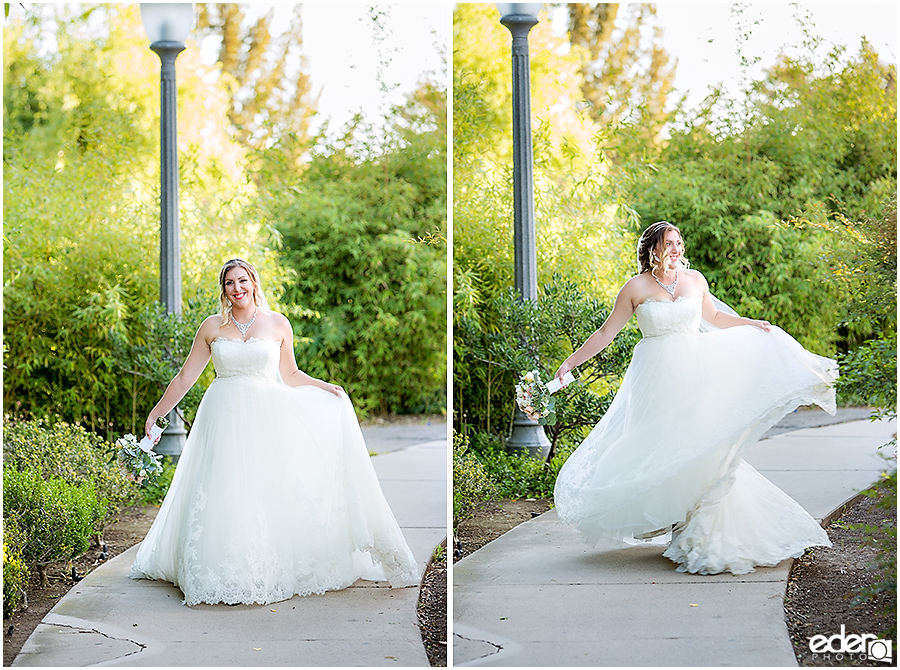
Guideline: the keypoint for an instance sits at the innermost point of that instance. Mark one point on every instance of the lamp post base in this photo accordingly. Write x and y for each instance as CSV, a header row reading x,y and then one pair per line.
x,y
528,436
171,443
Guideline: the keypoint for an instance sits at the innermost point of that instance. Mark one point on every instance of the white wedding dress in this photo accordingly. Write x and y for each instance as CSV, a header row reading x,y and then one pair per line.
x,y
669,449
274,494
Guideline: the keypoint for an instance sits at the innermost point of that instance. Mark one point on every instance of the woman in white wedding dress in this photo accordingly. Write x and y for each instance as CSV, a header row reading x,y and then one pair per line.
x,y
702,385
274,494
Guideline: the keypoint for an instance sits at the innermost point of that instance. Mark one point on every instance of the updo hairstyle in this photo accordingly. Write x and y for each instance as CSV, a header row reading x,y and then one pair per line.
x,y
652,242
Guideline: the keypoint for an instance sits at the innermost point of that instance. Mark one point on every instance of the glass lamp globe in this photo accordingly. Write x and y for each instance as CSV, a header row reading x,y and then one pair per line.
x,y
167,21
519,8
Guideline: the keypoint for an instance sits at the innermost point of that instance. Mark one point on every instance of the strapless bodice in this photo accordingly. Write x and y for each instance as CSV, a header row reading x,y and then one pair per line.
x,y
669,317
255,358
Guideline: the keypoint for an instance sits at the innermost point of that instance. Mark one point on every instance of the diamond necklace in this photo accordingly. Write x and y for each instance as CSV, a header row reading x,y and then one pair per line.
x,y
244,327
670,288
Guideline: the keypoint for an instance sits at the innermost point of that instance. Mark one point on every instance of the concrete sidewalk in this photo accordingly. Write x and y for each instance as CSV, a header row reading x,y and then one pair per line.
x,y
539,596
109,619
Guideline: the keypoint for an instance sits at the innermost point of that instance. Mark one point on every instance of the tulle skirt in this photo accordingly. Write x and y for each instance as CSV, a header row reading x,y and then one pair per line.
x,y
668,453
274,495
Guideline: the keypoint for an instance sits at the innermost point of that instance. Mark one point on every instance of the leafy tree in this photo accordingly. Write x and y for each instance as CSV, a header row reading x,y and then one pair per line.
x,y
626,74
267,78
362,232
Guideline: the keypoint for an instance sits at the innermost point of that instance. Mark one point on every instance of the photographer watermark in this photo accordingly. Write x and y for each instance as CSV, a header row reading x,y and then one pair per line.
x,y
861,647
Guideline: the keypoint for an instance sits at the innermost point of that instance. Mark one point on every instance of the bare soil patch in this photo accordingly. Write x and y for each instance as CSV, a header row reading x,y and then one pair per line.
x,y
432,608
492,519
824,582
126,531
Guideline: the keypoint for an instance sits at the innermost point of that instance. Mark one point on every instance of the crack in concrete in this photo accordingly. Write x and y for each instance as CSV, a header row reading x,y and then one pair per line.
x,y
497,647
107,636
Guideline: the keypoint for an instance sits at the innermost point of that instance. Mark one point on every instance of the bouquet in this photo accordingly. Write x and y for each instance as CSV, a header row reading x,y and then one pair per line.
x,y
534,399
534,396
137,460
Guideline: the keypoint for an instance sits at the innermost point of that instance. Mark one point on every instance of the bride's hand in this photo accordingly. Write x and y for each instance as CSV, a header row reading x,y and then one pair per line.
x,y
563,369
149,424
762,325
335,389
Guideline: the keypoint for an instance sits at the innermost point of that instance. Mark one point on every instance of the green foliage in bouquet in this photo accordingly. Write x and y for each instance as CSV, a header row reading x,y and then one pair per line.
x,y
71,453
15,571
56,517
136,464
471,484
507,335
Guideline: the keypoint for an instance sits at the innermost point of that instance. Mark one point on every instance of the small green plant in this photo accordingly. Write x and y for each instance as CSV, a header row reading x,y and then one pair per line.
x,y
537,337
471,484
56,517
518,475
15,571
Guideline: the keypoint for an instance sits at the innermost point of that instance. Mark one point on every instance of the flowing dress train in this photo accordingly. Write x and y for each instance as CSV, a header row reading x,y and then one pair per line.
x,y
669,451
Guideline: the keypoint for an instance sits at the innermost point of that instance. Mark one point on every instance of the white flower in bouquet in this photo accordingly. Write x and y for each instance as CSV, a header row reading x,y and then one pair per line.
x,y
137,461
534,399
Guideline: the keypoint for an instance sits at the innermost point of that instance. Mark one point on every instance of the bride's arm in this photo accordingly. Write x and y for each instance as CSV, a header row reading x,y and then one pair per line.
x,y
723,319
601,338
188,374
287,366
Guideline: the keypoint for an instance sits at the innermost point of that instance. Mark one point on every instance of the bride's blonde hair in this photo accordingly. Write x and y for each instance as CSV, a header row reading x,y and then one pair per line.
x,y
224,303
652,239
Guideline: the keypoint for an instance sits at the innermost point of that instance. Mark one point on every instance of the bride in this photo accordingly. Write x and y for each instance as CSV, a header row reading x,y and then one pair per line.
x,y
274,494
703,384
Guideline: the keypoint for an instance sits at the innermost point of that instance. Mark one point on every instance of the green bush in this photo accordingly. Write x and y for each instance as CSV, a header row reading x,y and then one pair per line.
x,y
15,571
869,376
471,484
57,518
518,475
153,494
495,343
362,233
71,453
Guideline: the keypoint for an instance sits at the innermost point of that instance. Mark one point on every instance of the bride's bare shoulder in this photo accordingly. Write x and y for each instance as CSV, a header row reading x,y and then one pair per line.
x,y
695,274
636,285
635,289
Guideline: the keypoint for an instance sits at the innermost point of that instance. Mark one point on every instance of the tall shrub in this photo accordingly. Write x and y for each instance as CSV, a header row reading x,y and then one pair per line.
x,y
362,229
56,517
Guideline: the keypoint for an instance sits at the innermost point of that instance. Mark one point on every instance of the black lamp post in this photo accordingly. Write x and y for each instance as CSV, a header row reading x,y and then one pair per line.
x,y
167,26
520,18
